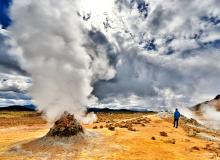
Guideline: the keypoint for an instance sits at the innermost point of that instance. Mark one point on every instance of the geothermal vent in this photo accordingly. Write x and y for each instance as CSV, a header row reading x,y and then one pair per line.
x,y
66,126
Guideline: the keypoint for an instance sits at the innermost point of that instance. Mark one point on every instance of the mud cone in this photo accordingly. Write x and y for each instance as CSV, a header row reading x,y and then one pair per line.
x,y
66,126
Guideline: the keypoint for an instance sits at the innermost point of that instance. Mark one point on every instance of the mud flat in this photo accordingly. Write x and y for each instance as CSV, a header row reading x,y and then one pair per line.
x,y
134,136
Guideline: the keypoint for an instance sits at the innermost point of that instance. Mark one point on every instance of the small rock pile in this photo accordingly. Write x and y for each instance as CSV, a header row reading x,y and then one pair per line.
x,y
172,141
191,132
194,148
129,124
164,134
66,126
190,121
213,148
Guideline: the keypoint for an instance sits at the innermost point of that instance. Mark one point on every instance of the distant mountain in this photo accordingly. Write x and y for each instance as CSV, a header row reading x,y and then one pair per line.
x,y
214,102
30,106
114,110
18,108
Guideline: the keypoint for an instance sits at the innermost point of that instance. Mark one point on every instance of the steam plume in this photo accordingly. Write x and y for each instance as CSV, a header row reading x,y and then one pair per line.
x,y
52,39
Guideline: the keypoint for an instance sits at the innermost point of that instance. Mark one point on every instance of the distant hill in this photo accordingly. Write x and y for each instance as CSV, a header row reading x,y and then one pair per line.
x,y
114,110
214,102
18,108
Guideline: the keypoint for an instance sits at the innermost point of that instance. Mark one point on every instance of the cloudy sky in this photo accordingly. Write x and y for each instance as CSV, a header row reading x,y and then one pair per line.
x,y
136,54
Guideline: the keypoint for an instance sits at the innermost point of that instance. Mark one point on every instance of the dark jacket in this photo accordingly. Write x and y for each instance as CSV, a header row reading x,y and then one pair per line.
x,y
176,115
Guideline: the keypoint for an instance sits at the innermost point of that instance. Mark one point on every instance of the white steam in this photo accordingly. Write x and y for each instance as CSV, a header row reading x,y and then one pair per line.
x,y
211,118
52,38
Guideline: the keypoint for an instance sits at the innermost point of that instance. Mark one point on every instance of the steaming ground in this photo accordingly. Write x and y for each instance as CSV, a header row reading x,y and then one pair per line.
x,y
151,137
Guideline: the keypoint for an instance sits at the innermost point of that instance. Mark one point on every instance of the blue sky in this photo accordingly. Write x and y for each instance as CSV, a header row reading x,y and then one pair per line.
x,y
5,21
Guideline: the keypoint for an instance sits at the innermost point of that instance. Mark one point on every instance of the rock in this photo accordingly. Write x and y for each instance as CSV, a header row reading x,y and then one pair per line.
x,y
66,126
191,121
143,125
213,147
128,125
153,138
108,125
101,126
135,122
191,133
195,148
164,134
172,141
131,129
117,124
94,127
111,128
145,121
121,125
208,146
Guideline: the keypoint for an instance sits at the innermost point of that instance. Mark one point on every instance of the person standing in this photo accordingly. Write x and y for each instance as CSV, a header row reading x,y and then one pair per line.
x,y
176,118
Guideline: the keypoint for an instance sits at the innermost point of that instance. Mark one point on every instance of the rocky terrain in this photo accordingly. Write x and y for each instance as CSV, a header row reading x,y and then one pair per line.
x,y
213,103
208,112
132,136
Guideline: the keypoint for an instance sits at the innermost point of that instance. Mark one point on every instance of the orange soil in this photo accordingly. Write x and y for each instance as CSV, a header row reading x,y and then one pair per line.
x,y
120,144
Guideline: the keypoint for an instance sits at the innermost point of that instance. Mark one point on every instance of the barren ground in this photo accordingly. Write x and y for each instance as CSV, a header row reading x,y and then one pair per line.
x,y
21,132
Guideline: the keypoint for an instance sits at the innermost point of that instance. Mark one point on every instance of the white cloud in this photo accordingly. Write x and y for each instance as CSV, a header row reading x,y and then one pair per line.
x,y
190,75
9,82
156,58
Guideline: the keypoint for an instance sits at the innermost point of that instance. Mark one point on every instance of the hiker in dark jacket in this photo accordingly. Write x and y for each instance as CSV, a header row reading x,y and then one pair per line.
x,y
176,118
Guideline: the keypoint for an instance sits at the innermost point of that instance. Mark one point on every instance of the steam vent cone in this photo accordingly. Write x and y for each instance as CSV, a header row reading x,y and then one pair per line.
x,y
66,126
